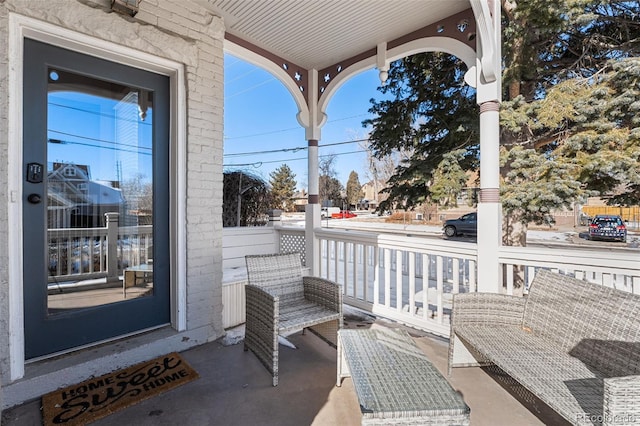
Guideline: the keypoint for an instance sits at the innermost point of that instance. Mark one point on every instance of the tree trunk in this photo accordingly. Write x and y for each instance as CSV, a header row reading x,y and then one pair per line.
x,y
514,233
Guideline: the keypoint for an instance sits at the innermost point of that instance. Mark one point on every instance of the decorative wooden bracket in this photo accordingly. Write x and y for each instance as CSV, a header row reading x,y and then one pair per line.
x,y
486,30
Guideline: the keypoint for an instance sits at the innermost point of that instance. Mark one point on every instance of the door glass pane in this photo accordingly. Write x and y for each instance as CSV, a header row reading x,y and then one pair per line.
x,y
99,192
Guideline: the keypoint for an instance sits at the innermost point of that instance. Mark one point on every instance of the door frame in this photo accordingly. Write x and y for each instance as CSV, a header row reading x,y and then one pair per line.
x,y
21,27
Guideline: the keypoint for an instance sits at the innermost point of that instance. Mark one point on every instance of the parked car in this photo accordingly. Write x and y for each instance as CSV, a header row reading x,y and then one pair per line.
x,y
607,227
466,224
343,214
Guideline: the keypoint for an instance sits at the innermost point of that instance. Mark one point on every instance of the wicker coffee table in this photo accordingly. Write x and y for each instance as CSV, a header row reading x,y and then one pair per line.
x,y
394,380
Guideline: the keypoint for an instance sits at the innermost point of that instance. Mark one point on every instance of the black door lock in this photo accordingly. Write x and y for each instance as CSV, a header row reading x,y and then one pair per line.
x,y
34,172
34,198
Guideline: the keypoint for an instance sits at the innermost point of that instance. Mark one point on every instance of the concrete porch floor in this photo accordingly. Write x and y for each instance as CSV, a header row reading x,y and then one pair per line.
x,y
235,389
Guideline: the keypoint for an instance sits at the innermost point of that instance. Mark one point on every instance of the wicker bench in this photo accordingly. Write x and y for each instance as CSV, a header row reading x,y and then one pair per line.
x,y
395,382
573,344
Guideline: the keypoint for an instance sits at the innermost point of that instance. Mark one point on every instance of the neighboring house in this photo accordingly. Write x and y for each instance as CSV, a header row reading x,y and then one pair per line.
x,y
75,201
300,200
372,196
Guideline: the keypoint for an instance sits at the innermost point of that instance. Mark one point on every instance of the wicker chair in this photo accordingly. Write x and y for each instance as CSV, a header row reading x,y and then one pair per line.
x,y
280,301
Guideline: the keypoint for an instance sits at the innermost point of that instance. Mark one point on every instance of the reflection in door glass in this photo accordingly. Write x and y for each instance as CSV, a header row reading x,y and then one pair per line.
x,y
99,192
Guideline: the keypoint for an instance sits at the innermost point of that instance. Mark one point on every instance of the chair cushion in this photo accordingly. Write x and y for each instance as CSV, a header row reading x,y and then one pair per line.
x,y
299,313
562,381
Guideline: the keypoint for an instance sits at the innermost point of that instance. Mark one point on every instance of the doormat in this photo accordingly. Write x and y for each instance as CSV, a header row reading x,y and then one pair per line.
x,y
98,397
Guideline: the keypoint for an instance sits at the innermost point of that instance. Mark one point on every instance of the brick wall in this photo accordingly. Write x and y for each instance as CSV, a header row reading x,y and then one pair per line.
x,y
181,31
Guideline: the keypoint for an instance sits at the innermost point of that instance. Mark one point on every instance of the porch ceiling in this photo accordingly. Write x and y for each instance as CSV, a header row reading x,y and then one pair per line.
x,y
315,34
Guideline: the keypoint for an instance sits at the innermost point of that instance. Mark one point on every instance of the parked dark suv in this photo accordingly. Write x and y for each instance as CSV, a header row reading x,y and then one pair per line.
x,y
466,224
607,227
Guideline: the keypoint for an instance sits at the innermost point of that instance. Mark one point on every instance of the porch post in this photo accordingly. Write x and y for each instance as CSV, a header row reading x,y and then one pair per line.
x,y
112,219
489,95
489,206
312,210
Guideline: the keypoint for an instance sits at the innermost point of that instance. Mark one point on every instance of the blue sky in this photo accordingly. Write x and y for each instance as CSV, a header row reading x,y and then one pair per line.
x,y
260,115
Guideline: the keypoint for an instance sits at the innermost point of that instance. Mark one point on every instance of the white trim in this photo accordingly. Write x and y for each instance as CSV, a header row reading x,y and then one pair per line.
x,y
178,92
427,44
21,27
14,211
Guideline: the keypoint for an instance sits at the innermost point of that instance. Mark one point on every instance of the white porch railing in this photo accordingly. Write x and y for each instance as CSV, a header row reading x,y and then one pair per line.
x,y
619,269
77,254
371,267
408,279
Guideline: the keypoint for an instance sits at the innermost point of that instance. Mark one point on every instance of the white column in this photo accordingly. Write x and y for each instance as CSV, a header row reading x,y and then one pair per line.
x,y
489,206
489,94
312,211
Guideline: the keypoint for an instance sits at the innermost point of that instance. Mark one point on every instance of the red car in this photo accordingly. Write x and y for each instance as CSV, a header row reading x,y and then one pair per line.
x,y
344,214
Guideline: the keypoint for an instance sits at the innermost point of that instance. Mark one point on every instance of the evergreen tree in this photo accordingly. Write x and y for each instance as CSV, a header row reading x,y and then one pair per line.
x,y
354,189
330,188
283,186
449,180
331,191
568,126
431,113
558,123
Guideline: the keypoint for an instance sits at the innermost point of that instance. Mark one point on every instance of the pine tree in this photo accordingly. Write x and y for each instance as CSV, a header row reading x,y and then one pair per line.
x,y
568,119
283,186
431,112
330,188
331,191
354,189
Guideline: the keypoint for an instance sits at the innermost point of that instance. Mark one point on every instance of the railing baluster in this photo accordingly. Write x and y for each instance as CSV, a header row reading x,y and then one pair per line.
x,y
472,276
387,278
365,271
509,279
336,261
354,249
455,268
439,289
412,283
425,285
376,275
399,268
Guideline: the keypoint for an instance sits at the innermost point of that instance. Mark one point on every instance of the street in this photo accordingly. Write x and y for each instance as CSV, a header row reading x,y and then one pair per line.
x,y
577,236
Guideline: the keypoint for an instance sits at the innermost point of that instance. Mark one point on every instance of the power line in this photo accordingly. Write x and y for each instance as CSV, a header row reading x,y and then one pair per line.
x,y
273,151
250,88
112,148
238,77
260,163
295,149
95,139
262,134
288,129
101,114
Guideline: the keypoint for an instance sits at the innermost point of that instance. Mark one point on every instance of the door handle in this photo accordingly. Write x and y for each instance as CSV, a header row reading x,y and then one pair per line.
x,y
34,198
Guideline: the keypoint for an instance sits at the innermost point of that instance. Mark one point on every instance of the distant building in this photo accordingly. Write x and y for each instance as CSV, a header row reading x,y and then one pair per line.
x,y
300,200
372,196
75,201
